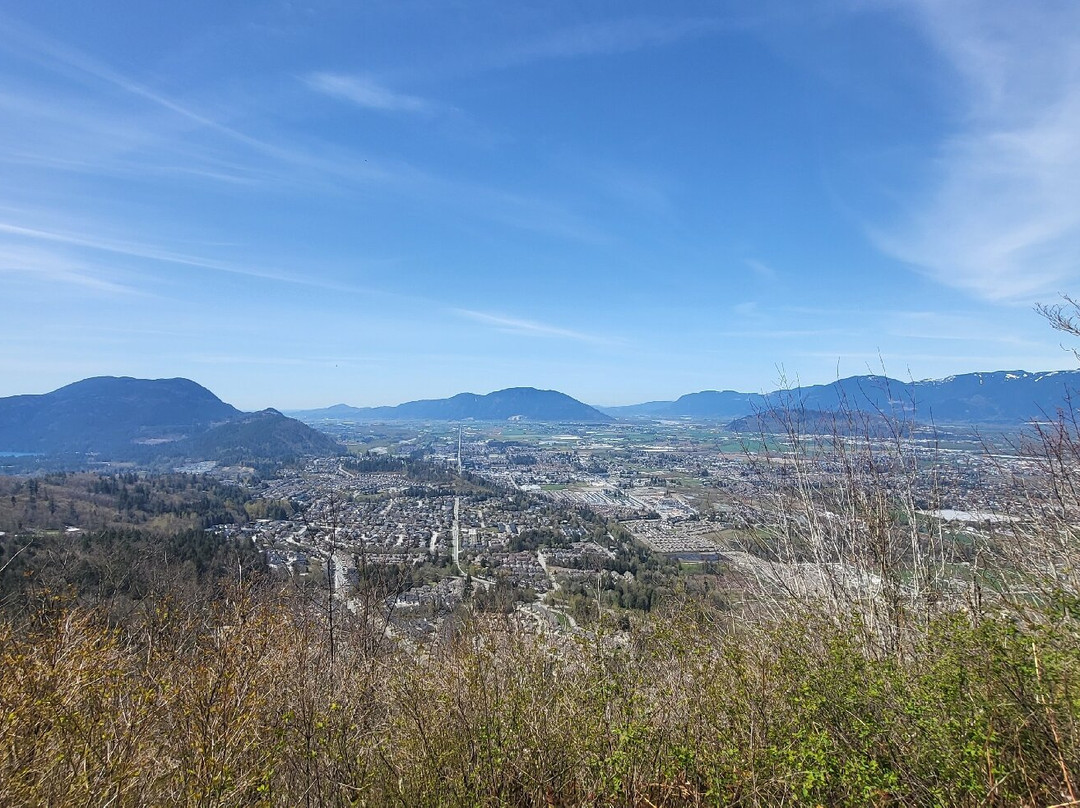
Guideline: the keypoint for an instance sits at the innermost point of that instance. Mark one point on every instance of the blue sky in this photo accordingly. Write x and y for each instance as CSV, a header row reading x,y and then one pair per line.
x,y
298,204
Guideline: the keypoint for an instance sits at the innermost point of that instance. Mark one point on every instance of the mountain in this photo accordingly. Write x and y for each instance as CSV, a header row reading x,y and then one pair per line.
x,y
337,412
1013,395
706,404
120,418
526,403
650,409
723,404
1000,397
267,435
109,414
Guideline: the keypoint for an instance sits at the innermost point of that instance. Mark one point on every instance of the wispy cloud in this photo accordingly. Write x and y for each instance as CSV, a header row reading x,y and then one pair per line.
x,y
771,333
284,361
44,265
134,130
123,126
164,255
80,66
890,363
168,135
761,269
615,36
634,188
948,326
1001,217
530,328
748,309
368,92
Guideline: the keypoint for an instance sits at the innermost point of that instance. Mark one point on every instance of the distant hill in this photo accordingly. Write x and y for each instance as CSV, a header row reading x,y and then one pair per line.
x,y
820,422
121,418
109,414
723,404
649,409
267,435
337,412
1014,395
712,404
1001,397
526,403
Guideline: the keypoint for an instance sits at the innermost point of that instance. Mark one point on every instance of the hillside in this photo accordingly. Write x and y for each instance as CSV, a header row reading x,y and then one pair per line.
x,y
109,414
999,397
516,402
822,422
267,435
121,418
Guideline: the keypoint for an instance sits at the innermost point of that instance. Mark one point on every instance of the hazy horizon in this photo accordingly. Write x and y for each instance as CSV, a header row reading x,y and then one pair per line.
x,y
790,383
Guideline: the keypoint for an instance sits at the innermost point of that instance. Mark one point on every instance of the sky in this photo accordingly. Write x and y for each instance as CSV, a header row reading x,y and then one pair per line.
x,y
298,204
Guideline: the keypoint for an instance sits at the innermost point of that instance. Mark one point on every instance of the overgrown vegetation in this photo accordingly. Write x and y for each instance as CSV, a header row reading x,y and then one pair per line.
x,y
160,503
141,535
119,570
237,702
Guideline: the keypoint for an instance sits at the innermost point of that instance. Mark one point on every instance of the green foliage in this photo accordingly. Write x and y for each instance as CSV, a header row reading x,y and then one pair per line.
x,y
537,538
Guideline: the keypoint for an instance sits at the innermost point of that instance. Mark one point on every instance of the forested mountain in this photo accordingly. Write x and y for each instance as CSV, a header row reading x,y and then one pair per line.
x,y
1000,397
108,414
267,435
121,418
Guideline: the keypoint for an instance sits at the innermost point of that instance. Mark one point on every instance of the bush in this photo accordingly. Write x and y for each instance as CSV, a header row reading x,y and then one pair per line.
x,y
238,703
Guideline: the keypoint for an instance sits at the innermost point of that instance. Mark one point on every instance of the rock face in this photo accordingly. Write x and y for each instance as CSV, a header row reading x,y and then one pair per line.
x,y
525,403
138,419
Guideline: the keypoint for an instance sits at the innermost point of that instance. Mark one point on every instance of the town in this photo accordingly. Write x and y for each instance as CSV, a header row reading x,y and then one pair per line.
x,y
563,521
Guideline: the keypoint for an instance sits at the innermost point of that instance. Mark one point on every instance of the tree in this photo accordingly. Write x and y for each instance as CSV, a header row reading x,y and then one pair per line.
x,y
1064,317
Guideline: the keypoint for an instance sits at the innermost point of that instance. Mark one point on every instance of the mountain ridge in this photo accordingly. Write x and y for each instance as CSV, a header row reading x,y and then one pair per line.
x,y
527,403
991,397
124,418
